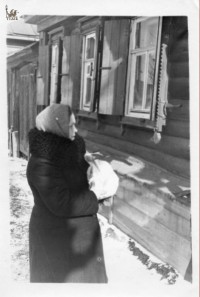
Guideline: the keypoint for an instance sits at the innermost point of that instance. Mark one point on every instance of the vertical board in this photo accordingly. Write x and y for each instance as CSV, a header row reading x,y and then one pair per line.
x,y
114,65
13,99
95,91
122,67
54,72
17,81
27,105
43,76
9,82
76,67
65,80
103,102
70,85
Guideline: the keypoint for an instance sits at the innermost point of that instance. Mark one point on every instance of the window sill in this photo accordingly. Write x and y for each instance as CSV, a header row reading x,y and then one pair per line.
x,y
87,114
136,122
83,114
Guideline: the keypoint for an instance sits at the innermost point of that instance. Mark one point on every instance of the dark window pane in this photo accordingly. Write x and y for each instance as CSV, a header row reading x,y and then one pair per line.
x,y
139,82
88,90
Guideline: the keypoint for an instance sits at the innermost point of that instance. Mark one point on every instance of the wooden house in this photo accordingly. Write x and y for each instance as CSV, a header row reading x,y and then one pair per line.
x,y
127,79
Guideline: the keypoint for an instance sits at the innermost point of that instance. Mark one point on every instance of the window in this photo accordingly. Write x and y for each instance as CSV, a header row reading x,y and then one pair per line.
x,y
55,40
88,70
142,67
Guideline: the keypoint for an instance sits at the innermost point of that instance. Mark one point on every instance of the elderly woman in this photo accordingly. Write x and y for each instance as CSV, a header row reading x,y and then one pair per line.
x,y
64,234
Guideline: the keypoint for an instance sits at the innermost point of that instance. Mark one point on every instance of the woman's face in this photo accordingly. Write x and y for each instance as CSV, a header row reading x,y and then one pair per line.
x,y
72,127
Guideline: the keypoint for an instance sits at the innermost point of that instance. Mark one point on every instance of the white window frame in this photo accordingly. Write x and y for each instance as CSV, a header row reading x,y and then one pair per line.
x,y
133,54
92,61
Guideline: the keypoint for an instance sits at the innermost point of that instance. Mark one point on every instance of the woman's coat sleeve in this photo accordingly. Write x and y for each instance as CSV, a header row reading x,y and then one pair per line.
x,y
51,186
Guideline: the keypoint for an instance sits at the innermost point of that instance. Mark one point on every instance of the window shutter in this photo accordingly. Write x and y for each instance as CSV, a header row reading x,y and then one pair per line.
x,y
162,90
70,84
65,80
114,66
95,90
54,72
43,75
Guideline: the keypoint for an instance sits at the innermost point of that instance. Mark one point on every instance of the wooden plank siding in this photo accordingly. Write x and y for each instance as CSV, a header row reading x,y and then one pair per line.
x,y
164,243
43,75
65,80
179,88
177,147
75,66
70,84
27,104
175,164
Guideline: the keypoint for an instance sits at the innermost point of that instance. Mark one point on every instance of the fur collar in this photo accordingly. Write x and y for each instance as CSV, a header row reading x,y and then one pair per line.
x,y
56,148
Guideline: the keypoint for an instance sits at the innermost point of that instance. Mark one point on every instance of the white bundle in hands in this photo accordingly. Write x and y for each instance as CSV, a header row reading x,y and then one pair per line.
x,y
101,177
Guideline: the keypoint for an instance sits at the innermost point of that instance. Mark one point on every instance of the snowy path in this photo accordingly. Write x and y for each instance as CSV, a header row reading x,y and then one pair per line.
x,y
122,266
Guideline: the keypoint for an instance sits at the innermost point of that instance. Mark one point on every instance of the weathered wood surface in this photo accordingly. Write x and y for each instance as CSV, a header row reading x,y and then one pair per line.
x,y
174,164
159,240
15,144
179,57
179,88
177,128
75,69
43,75
70,83
165,212
180,114
143,210
65,80
49,21
114,66
179,69
150,232
27,105
174,146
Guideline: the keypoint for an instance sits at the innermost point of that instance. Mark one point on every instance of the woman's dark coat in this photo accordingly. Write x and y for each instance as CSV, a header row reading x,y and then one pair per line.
x,y
64,233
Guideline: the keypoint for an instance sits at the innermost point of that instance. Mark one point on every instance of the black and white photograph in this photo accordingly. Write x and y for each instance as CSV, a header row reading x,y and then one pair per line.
x,y
100,140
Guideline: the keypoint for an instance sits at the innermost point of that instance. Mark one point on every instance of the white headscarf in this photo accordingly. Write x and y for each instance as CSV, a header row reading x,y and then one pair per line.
x,y
55,119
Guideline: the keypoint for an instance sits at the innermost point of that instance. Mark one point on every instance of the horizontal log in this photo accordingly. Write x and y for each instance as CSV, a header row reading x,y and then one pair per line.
x,y
179,69
173,164
177,128
159,240
154,194
179,45
181,114
179,88
140,201
175,146
182,56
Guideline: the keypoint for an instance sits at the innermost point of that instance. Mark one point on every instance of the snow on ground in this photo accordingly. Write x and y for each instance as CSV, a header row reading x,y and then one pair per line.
x,y
124,266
